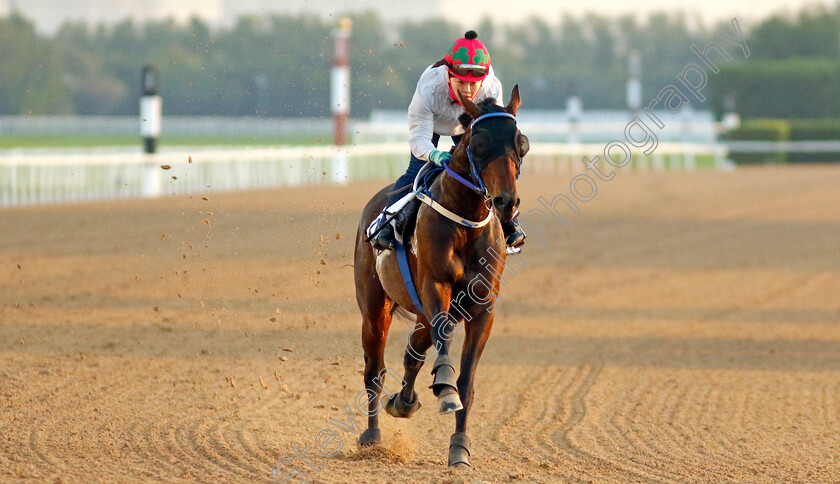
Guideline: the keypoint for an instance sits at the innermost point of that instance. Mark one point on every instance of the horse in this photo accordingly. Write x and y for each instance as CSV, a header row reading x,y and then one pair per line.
x,y
449,261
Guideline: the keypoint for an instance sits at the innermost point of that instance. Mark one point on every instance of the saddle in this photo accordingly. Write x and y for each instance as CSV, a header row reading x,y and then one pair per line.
x,y
423,181
408,206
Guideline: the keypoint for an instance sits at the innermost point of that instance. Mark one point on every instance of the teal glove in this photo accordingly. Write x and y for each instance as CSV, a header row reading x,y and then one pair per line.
x,y
438,157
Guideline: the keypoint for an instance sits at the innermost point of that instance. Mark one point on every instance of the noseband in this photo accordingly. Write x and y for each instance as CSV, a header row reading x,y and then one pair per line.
x,y
480,189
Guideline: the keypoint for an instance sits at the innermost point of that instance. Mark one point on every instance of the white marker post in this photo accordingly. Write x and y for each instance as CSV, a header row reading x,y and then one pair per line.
x,y
574,111
340,97
634,83
730,120
634,92
150,122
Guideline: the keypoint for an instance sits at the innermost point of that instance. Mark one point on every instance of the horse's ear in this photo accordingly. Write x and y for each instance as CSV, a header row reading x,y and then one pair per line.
x,y
470,107
522,144
513,105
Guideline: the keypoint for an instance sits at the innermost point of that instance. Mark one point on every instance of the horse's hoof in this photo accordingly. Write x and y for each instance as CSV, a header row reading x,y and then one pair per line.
x,y
399,408
370,437
449,401
459,451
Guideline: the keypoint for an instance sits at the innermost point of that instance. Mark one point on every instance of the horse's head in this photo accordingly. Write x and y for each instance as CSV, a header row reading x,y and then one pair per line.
x,y
496,147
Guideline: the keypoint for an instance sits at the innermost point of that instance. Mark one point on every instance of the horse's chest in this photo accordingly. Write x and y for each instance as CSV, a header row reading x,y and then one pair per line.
x,y
479,272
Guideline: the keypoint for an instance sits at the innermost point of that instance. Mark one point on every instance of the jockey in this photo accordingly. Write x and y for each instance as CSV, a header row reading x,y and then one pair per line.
x,y
434,112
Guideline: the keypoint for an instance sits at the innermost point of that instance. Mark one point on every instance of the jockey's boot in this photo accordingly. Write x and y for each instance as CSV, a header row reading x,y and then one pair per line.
x,y
514,235
405,215
385,237
384,240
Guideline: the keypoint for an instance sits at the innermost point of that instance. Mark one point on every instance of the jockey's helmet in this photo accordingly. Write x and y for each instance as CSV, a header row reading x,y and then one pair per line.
x,y
468,59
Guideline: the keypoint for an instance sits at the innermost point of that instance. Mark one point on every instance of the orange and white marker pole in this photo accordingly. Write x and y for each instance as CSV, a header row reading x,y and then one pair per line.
x,y
340,81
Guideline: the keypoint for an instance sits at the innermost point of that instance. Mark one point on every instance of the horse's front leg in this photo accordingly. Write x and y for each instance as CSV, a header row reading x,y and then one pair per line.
x,y
477,332
436,300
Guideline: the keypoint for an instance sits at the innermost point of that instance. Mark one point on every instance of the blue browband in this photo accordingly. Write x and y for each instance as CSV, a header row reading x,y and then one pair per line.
x,y
492,115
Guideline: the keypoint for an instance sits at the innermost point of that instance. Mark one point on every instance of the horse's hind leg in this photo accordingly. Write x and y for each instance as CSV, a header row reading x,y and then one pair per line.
x,y
405,403
375,325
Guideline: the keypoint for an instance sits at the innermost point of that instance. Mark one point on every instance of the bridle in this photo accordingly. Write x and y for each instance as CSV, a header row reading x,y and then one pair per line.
x,y
479,187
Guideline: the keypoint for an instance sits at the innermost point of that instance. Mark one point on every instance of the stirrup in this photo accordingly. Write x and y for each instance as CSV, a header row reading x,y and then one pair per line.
x,y
376,226
384,239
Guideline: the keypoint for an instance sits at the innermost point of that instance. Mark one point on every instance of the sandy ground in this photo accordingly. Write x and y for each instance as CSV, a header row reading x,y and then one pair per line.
x,y
681,327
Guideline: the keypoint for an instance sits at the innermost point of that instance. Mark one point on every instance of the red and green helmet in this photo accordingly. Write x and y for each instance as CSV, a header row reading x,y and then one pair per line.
x,y
468,59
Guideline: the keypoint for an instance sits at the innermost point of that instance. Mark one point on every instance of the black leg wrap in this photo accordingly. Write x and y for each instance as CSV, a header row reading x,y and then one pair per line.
x,y
370,437
397,407
459,450
444,372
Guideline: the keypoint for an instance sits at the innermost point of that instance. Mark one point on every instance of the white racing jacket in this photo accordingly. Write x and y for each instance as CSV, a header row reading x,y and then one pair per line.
x,y
432,110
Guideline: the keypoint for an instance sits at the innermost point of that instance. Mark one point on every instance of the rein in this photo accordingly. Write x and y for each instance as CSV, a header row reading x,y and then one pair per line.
x,y
480,189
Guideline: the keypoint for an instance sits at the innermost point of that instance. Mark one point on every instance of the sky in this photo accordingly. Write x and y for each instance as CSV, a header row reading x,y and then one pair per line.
x,y
710,11
49,14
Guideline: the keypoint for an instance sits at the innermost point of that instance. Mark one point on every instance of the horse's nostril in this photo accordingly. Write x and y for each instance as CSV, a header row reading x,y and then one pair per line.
x,y
516,205
499,202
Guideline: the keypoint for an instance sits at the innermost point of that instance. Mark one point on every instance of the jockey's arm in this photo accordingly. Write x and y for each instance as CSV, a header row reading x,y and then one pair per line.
x,y
421,124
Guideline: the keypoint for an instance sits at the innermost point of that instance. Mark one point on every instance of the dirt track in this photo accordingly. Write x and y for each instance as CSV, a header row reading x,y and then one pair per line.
x,y
682,327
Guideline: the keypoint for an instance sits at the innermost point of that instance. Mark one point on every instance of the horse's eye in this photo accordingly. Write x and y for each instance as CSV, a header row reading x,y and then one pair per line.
x,y
480,143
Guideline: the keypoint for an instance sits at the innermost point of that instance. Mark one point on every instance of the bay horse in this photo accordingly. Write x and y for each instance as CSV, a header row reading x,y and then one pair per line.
x,y
449,261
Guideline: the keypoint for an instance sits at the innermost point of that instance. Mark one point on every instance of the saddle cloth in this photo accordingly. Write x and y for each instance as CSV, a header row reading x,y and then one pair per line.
x,y
421,180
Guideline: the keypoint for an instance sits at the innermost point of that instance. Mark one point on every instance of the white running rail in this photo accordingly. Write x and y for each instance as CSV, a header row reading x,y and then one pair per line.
x,y
30,177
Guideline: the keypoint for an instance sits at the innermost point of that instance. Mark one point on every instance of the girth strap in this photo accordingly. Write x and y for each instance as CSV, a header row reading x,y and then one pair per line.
x,y
405,270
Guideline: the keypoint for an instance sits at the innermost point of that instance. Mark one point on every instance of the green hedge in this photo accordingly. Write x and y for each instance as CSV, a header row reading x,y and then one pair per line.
x,y
814,130
786,130
759,130
800,88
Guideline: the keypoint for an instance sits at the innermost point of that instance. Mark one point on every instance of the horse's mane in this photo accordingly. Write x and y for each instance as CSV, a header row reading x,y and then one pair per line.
x,y
486,106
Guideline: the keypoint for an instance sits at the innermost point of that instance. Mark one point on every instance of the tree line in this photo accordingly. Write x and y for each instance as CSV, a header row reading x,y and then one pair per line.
x,y
279,65
793,72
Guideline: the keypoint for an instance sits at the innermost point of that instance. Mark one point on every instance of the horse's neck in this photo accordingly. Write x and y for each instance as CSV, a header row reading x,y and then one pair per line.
x,y
456,196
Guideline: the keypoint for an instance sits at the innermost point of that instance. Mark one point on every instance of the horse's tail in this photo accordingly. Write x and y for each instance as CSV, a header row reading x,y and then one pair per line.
x,y
404,315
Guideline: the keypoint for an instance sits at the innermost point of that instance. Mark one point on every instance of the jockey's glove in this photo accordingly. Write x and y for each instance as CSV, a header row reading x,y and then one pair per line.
x,y
438,157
